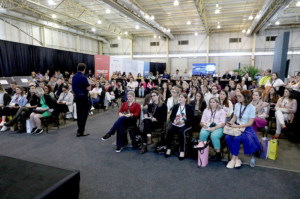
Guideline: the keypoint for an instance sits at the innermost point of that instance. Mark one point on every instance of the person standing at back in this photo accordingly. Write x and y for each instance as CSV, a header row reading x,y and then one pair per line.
x,y
81,88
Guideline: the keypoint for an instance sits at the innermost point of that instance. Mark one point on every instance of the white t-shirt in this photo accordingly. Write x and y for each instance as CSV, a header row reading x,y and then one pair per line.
x,y
185,76
181,113
248,113
275,83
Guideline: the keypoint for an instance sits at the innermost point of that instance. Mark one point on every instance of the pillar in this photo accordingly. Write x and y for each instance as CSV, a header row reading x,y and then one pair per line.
x,y
167,57
77,46
131,50
207,50
253,49
100,50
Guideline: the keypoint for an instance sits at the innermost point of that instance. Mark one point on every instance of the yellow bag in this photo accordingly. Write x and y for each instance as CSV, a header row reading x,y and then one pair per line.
x,y
273,149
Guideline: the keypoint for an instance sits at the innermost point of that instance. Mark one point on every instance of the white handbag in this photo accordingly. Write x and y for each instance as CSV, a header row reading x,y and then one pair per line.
x,y
233,131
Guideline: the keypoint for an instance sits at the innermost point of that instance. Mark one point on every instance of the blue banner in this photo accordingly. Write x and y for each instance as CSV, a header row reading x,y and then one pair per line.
x,y
204,68
146,69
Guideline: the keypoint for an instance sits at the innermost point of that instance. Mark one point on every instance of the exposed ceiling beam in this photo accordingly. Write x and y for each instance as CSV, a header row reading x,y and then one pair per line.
x,y
202,15
88,17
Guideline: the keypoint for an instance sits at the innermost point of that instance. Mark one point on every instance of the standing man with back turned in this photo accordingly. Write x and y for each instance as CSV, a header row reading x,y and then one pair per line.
x,y
81,88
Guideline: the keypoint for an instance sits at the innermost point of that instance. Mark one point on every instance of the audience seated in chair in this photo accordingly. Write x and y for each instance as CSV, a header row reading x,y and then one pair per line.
x,y
128,115
142,88
45,109
286,108
199,105
182,119
172,101
213,121
261,110
226,104
244,114
157,114
110,94
32,102
165,92
4,101
65,101
96,93
18,100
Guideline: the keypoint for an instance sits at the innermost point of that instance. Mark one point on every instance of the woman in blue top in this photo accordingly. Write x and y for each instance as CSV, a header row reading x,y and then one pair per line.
x,y
243,117
19,99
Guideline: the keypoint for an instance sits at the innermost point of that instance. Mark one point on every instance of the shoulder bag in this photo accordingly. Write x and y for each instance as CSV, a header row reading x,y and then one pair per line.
x,y
233,131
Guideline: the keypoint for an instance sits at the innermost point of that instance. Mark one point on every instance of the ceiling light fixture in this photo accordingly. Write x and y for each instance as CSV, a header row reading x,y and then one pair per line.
x,y
176,3
53,16
93,29
244,31
218,26
250,17
107,11
277,23
169,30
137,27
99,21
217,5
154,36
298,4
217,11
119,38
196,33
51,2
188,23
152,17
126,33
147,16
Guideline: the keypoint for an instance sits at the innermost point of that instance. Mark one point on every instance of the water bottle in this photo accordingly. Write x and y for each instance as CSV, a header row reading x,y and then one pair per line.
x,y
252,162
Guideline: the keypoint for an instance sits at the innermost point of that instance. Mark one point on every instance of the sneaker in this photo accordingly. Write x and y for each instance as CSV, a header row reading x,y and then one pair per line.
x,y
92,108
119,149
104,138
4,128
2,123
39,131
238,163
231,164
33,131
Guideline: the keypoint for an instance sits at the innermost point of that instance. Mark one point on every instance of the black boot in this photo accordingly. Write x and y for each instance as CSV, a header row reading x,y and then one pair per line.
x,y
216,157
10,123
22,130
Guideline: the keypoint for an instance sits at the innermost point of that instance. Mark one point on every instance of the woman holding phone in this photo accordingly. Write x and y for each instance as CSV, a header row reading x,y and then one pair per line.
x,y
244,114
213,121
182,118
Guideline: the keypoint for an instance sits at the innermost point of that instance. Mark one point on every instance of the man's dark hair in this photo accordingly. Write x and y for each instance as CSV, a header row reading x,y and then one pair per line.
x,y
177,70
14,82
81,67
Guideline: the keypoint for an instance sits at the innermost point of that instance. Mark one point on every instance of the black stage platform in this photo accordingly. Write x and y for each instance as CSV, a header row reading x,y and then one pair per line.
x,y
23,179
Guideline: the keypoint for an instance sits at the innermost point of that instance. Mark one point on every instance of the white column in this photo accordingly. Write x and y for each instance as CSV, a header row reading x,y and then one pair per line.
x,y
43,35
131,50
100,51
253,49
167,57
207,49
77,44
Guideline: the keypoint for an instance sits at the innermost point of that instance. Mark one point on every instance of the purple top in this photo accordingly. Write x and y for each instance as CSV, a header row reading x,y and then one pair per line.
x,y
39,75
220,116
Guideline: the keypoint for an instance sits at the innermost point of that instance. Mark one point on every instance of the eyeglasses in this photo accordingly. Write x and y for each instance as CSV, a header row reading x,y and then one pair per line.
x,y
153,95
174,92
239,96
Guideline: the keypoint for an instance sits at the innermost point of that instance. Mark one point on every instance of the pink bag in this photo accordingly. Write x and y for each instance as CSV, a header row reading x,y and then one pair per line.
x,y
203,150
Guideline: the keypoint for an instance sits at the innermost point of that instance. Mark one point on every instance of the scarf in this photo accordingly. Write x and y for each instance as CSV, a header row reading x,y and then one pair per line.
x,y
259,107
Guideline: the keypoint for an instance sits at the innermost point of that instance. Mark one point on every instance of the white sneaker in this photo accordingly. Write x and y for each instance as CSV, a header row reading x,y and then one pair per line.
x,y
4,128
238,163
92,108
2,123
231,164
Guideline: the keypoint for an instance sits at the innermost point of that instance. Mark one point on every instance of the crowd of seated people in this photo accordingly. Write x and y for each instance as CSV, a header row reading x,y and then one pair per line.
x,y
196,102
202,103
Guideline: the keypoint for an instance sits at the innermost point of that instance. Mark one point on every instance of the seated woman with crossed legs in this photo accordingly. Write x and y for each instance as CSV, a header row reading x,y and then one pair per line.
x,y
244,114
157,111
128,115
213,121
182,118
285,108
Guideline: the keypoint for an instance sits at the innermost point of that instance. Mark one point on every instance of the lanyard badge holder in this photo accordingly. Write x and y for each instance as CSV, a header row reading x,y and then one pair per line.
x,y
241,115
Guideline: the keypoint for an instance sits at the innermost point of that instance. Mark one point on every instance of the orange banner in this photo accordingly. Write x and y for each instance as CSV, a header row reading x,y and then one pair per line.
x,y
102,65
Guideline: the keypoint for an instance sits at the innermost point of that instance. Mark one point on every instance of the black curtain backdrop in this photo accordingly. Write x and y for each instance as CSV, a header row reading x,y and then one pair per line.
x,y
160,67
18,59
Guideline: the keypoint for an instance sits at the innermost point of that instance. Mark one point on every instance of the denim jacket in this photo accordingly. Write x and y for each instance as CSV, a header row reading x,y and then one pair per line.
x,y
22,100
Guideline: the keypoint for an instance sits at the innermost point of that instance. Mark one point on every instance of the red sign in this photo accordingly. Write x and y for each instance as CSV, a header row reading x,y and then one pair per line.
x,y
102,64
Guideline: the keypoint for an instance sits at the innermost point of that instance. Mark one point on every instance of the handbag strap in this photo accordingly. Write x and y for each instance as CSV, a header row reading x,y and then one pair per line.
x,y
291,115
201,148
